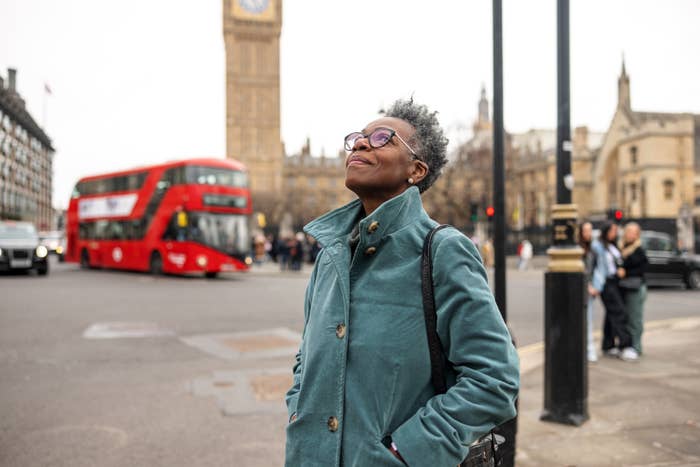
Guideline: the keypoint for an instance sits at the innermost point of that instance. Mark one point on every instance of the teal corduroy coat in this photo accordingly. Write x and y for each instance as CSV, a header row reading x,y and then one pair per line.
x,y
363,367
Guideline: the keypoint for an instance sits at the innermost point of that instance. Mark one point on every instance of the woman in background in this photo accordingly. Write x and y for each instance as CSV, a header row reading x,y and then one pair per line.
x,y
632,283
616,338
585,236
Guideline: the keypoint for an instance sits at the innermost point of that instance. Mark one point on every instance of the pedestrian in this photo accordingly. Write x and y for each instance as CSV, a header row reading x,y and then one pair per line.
x,y
283,252
585,237
616,338
632,283
362,393
487,253
296,251
525,254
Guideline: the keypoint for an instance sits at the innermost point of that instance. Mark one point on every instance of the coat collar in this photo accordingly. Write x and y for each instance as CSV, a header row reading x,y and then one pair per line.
x,y
391,216
629,249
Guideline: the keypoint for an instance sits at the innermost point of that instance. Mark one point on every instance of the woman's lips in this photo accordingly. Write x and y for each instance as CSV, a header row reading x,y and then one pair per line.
x,y
357,160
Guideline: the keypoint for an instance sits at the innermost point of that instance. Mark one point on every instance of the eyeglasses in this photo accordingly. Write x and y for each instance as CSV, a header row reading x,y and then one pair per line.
x,y
378,138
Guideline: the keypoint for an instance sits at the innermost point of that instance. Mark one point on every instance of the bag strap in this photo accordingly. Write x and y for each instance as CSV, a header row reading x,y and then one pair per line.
x,y
437,366
437,358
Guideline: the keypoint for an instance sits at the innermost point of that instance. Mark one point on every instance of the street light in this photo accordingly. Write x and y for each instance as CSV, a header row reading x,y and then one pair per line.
x,y
566,365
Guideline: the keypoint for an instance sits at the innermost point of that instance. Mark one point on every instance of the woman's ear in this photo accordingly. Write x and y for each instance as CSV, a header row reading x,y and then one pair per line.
x,y
419,171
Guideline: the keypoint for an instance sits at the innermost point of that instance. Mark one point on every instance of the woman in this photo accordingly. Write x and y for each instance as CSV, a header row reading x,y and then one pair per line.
x,y
616,338
362,393
585,236
632,283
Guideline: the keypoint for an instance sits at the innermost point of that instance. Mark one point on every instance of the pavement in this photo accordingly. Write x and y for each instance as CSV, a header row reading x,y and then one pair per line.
x,y
644,413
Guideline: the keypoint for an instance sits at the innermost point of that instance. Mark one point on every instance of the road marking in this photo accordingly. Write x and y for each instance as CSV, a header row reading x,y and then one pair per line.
x,y
125,329
266,343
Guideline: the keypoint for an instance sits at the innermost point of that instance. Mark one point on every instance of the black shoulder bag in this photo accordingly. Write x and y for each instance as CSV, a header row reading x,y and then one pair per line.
x,y
483,452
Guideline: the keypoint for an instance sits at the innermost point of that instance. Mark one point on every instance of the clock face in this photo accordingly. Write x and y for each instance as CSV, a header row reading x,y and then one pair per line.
x,y
254,6
254,10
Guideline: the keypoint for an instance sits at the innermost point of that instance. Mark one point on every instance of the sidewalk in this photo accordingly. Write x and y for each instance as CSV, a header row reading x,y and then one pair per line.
x,y
645,413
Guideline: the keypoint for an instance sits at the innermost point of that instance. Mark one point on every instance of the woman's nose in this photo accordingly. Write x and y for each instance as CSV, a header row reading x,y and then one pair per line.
x,y
361,143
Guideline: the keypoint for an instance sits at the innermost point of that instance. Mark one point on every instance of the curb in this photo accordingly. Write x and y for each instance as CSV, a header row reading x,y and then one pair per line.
x,y
532,355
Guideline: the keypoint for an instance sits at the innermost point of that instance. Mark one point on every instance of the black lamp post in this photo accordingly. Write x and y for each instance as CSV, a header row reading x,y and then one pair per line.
x,y
497,211
566,367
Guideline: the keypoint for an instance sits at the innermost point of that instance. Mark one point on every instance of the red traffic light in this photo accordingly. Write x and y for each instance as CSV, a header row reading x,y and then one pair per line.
x,y
618,215
490,211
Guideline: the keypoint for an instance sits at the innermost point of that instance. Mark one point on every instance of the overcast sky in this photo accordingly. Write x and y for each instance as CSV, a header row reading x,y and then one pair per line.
x,y
142,81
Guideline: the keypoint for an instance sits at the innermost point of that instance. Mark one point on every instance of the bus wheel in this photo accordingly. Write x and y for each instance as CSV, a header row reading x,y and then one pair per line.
x,y
156,264
84,259
211,274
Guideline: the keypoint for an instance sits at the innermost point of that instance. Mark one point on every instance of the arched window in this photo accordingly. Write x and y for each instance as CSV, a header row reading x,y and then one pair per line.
x,y
633,155
668,189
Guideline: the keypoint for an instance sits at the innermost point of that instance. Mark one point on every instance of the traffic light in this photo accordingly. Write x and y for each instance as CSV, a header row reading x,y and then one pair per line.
x,y
474,212
615,215
490,211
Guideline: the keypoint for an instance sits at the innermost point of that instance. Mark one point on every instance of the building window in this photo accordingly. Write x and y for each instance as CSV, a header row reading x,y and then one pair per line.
x,y
633,155
668,189
633,192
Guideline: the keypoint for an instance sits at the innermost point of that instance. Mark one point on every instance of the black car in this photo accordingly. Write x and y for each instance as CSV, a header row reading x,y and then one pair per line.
x,y
20,248
667,265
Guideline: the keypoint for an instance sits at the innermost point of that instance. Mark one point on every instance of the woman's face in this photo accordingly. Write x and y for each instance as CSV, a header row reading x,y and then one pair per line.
x,y
587,232
381,171
631,233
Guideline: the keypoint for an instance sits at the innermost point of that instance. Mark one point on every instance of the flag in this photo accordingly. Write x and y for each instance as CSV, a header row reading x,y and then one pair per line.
x,y
47,89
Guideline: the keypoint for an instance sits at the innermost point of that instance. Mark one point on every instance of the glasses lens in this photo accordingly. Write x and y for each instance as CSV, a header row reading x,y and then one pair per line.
x,y
380,137
351,139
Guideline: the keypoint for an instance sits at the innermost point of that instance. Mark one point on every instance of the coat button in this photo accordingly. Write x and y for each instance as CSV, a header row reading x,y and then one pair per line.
x,y
370,251
372,227
340,331
332,424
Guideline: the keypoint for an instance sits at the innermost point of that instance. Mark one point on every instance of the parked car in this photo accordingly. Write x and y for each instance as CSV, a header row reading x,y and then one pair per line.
x,y
20,248
668,265
55,242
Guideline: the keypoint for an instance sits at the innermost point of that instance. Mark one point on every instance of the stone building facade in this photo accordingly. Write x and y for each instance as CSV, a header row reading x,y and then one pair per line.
x,y
313,185
460,197
649,167
26,157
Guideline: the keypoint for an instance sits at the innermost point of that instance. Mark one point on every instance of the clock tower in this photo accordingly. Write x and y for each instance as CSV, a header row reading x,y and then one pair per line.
x,y
252,39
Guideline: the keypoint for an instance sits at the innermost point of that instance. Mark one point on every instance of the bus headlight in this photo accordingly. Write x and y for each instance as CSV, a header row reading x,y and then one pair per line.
x,y
59,250
202,261
248,260
41,251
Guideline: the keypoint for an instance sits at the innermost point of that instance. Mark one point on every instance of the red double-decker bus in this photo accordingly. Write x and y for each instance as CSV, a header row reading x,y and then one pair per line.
x,y
189,216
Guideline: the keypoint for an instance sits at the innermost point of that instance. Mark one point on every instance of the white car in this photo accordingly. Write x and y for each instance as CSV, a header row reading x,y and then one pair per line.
x,y
20,248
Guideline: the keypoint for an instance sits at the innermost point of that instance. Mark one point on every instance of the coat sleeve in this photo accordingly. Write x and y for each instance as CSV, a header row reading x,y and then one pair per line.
x,y
600,273
479,348
292,395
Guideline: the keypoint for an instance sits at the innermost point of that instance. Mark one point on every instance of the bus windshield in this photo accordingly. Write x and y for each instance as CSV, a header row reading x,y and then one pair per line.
x,y
223,232
202,175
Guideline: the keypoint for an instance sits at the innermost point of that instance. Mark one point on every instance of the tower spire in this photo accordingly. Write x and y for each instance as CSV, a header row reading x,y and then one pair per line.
x,y
623,88
483,106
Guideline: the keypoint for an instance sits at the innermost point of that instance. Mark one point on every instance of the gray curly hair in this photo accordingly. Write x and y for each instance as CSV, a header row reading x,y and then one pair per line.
x,y
428,141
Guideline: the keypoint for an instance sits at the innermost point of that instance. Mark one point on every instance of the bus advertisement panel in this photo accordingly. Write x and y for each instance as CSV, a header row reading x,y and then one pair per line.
x,y
183,217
